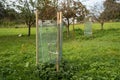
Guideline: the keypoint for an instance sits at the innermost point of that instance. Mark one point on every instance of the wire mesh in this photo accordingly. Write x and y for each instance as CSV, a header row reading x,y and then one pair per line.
x,y
50,31
47,40
88,27
48,35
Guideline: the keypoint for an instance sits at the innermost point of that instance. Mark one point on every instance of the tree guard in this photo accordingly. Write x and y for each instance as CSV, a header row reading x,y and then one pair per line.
x,y
88,26
49,41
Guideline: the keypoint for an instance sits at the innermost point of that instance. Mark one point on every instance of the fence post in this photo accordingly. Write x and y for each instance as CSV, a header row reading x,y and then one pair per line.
x,y
37,32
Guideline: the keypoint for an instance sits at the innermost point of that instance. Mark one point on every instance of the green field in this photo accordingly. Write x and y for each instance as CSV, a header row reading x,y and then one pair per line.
x,y
95,58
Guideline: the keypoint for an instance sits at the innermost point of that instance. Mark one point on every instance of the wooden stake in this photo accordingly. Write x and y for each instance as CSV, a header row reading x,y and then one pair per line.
x,y
59,21
60,17
57,56
37,32
60,35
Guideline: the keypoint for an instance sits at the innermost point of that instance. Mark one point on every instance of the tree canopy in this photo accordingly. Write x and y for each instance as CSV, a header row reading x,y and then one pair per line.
x,y
7,12
26,8
112,10
47,9
2,10
72,9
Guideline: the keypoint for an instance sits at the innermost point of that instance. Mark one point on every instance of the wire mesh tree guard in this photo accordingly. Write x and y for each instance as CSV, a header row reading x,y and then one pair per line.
x,y
88,26
49,40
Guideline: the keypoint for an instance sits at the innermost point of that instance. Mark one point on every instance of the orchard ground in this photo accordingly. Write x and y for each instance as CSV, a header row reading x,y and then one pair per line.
x,y
95,58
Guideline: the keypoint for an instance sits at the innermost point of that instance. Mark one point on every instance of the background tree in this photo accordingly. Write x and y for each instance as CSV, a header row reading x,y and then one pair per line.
x,y
96,12
26,9
2,10
7,14
47,9
10,14
112,10
79,11
72,9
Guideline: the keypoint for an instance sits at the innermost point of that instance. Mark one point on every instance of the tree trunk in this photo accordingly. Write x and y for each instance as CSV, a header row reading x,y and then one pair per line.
x,y
73,24
73,27
29,30
102,24
68,28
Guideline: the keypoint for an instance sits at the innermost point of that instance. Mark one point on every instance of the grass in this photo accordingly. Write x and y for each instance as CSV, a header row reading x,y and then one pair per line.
x,y
96,58
96,26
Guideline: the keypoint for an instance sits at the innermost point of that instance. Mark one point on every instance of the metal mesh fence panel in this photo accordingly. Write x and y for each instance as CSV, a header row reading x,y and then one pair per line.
x,y
88,26
48,41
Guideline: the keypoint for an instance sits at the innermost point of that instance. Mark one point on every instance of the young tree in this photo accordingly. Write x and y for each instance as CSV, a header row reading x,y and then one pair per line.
x,y
26,9
96,11
47,9
72,9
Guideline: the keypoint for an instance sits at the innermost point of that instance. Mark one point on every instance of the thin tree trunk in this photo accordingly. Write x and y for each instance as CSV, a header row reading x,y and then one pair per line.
x,y
68,28
68,31
73,24
102,24
73,27
29,30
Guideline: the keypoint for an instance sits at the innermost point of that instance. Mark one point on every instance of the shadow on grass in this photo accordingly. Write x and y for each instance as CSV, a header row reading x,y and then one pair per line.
x,y
105,32
14,37
78,34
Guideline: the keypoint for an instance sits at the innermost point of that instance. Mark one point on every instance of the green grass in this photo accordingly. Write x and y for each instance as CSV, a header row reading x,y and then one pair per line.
x,y
96,26
15,31
96,58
